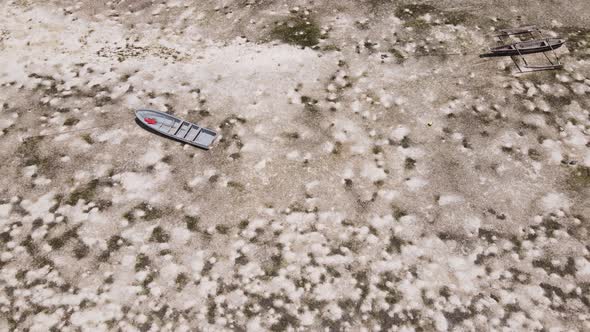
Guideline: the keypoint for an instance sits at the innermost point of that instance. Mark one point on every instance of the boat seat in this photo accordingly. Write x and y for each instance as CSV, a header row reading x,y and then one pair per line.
x,y
176,128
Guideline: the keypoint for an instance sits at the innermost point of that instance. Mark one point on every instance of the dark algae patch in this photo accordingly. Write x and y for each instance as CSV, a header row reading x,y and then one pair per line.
x,y
142,262
181,281
413,10
150,212
397,54
455,17
88,192
59,241
71,121
297,30
577,40
85,192
159,235
29,150
412,13
88,139
579,178
192,223
30,153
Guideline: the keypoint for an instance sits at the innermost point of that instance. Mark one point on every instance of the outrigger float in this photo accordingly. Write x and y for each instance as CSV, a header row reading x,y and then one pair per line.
x,y
177,129
538,44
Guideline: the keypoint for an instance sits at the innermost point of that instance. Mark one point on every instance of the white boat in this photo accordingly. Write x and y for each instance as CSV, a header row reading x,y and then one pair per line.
x,y
176,128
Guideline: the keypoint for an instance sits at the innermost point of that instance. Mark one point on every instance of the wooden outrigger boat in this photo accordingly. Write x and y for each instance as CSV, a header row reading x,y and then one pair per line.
x,y
176,128
517,50
526,47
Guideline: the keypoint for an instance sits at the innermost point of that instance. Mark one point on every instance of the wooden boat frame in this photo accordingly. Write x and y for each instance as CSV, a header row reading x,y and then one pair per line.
x,y
176,128
535,35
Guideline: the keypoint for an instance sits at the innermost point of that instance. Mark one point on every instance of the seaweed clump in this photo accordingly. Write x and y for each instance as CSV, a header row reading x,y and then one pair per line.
x,y
297,30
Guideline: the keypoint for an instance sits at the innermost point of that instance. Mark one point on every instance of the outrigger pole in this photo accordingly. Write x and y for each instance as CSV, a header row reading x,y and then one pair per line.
x,y
523,47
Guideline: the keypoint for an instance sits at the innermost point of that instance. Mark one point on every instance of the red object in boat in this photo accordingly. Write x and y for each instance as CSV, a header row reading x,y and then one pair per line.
x,y
150,121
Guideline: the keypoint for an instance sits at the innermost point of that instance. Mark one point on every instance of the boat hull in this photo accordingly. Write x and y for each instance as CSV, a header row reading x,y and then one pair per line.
x,y
528,47
175,128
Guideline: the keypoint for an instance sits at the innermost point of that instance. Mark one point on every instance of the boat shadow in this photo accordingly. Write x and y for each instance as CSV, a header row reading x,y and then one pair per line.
x,y
490,55
142,125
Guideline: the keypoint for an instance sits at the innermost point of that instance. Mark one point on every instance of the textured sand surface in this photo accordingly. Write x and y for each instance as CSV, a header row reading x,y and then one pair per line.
x,y
372,171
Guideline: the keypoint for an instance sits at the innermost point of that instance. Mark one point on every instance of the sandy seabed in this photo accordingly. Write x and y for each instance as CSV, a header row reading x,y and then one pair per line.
x,y
372,172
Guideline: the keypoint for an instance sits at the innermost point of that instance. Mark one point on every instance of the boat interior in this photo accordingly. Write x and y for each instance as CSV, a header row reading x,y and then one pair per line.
x,y
182,130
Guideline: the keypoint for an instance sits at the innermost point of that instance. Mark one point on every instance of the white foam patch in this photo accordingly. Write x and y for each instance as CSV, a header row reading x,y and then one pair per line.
x,y
5,123
576,138
29,171
449,199
41,181
382,222
153,155
41,207
582,268
472,225
535,120
138,185
440,322
552,202
372,172
92,318
169,273
94,228
5,210
180,235
554,149
43,322
115,136
416,183
388,195
409,227
399,133
76,214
